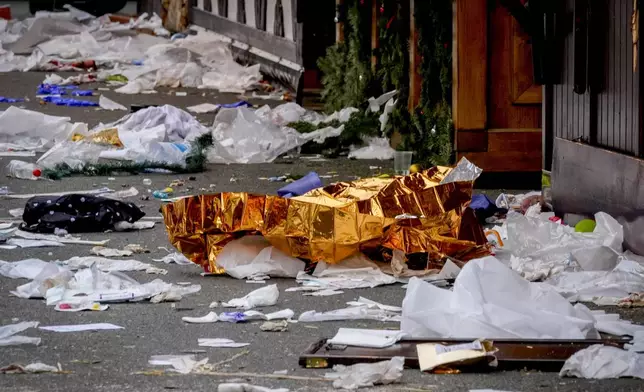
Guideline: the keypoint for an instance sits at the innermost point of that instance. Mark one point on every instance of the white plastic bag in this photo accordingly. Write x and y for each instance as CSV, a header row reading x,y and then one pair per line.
x,y
253,256
266,296
604,362
365,375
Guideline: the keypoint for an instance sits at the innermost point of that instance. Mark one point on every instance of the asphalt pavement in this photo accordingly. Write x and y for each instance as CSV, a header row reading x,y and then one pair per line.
x,y
110,360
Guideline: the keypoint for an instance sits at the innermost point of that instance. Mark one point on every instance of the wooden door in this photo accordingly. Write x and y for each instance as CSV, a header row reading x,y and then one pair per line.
x,y
496,106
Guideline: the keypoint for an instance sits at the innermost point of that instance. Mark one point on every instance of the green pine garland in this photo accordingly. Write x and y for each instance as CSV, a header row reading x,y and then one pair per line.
x,y
362,123
347,79
428,129
195,163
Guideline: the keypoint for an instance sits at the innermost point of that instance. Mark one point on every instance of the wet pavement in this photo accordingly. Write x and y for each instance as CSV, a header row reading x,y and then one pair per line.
x,y
109,360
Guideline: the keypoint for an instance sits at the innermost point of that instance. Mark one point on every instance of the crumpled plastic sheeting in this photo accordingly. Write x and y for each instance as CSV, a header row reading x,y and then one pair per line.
x,y
491,300
253,257
376,148
604,362
250,139
8,333
22,129
236,387
57,283
365,375
363,309
354,273
541,248
587,286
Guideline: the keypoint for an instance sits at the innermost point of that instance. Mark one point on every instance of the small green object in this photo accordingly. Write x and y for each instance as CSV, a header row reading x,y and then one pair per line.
x,y
117,78
585,226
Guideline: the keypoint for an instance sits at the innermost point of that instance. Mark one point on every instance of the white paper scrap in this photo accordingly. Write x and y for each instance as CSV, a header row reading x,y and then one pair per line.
x,y
220,343
80,327
108,104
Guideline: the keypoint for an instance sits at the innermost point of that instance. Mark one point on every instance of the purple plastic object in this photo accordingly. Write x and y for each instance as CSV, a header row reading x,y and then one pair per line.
x,y
301,186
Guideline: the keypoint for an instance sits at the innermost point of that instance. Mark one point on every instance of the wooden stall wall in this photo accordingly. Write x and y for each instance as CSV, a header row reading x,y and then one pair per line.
x,y
609,116
496,105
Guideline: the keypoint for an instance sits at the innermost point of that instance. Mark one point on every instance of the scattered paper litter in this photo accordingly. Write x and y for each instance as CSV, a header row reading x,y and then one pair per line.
x,y
220,343
183,364
372,338
366,375
80,306
491,300
67,239
80,327
108,104
606,286
540,248
109,252
353,273
176,258
203,108
266,296
37,367
138,225
8,333
209,318
241,317
323,293
110,265
603,362
236,387
350,313
274,326
100,191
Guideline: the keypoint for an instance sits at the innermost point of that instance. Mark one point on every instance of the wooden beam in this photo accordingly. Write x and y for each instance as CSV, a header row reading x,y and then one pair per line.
x,y
415,60
469,106
375,35
339,27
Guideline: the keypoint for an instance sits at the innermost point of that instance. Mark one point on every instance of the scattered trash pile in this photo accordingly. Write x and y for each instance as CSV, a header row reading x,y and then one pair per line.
x,y
157,138
138,54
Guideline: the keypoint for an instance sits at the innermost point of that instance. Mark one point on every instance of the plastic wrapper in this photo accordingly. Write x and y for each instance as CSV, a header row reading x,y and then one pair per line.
x,y
266,296
604,362
365,375
376,148
9,337
22,129
464,171
333,223
541,248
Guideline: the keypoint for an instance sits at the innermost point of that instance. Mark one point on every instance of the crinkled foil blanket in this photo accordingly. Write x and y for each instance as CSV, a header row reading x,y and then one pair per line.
x,y
415,214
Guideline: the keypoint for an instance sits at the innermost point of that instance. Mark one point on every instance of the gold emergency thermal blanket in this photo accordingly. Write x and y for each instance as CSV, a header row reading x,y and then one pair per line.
x,y
415,214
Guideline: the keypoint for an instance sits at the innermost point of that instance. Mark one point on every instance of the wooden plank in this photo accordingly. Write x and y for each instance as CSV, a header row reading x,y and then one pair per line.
x,y
505,161
277,46
524,91
502,110
521,141
375,35
470,53
471,141
415,60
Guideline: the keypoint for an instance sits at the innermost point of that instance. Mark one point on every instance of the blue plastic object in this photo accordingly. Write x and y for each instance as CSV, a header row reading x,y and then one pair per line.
x,y
235,105
137,62
82,93
296,188
10,100
160,195
54,89
69,101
